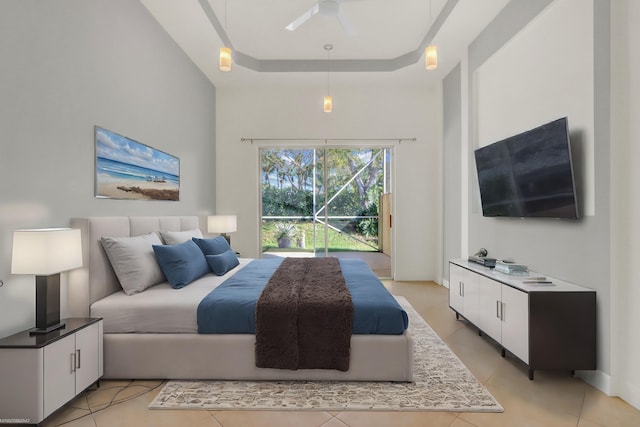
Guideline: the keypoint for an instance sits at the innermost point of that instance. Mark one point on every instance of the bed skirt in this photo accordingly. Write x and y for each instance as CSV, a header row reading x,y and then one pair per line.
x,y
232,357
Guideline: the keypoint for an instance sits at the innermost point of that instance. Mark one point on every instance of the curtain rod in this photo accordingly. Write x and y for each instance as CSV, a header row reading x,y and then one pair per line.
x,y
399,140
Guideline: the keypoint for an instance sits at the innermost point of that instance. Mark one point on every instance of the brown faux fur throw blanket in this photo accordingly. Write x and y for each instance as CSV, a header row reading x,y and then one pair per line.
x,y
304,317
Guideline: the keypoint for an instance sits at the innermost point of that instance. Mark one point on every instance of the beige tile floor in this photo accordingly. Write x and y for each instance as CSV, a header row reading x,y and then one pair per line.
x,y
553,399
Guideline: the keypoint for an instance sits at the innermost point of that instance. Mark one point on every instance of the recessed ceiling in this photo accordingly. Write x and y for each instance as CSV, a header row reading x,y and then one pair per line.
x,y
386,44
382,29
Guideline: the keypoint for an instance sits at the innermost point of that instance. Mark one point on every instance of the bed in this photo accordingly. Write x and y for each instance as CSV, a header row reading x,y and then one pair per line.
x,y
139,346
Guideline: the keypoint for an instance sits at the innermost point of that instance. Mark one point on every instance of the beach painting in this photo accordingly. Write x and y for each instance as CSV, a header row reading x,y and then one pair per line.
x,y
127,169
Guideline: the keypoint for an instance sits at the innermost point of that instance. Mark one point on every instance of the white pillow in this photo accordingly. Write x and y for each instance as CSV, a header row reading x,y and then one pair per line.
x,y
176,237
134,261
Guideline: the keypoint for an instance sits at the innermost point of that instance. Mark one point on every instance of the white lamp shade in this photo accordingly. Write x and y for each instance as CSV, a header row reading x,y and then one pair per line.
x,y
225,59
431,57
222,223
46,251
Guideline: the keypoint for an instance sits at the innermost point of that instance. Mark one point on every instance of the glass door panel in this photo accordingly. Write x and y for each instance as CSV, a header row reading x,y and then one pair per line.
x,y
355,182
318,201
287,183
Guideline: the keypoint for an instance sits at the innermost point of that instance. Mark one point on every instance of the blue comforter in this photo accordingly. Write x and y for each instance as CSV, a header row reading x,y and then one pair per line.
x,y
231,307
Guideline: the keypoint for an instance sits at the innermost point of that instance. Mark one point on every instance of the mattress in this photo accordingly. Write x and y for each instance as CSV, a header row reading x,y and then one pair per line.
x,y
163,309
160,308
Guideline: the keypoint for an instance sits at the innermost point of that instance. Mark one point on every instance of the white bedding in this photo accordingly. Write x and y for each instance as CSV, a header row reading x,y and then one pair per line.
x,y
160,308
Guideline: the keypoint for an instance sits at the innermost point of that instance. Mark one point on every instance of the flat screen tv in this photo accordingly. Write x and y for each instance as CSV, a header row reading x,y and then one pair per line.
x,y
529,174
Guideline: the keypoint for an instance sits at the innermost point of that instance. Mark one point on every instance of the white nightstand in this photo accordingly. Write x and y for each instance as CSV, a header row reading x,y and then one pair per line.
x,y
40,373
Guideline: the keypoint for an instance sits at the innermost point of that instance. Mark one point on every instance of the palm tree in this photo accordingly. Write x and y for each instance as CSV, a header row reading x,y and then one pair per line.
x,y
268,166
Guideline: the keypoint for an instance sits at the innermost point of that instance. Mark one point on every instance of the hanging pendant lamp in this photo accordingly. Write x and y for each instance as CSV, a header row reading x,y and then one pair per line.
x,y
431,57
225,59
431,51
328,99
224,62
328,104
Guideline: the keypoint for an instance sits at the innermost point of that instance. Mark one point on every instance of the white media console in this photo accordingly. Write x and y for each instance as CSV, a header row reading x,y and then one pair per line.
x,y
546,325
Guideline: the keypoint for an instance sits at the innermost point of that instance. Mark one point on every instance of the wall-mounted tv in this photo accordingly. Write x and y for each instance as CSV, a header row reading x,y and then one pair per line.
x,y
529,174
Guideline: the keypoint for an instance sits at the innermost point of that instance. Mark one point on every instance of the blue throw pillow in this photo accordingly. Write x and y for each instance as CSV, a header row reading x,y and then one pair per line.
x,y
214,246
182,263
223,262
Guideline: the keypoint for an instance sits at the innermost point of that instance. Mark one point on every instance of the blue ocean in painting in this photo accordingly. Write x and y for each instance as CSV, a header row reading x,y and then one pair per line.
x,y
113,170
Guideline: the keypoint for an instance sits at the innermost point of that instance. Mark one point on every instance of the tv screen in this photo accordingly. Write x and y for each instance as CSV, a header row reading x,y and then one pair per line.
x,y
529,174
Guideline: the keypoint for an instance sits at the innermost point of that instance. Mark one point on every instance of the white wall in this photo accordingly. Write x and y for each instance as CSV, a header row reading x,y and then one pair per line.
x,y
360,111
554,62
549,69
452,155
625,196
69,65
543,73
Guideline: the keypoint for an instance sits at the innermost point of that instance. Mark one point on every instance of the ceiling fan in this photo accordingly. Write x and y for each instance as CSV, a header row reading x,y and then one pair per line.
x,y
329,8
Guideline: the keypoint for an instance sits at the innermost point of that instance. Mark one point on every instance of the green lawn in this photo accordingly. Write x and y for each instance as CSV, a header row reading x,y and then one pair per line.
x,y
337,242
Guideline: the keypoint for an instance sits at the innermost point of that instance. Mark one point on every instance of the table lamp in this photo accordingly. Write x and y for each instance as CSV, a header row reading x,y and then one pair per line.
x,y
222,224
46,253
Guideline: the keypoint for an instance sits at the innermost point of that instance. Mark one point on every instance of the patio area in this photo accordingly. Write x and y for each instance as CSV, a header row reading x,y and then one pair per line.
x,y
379,262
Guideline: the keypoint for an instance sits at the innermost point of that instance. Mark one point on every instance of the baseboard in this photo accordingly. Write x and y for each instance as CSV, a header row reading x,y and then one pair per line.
x,y
445,283
626,391
598,379
630,393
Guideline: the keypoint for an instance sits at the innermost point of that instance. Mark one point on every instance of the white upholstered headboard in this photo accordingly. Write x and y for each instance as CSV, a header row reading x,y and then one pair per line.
x,y
96,279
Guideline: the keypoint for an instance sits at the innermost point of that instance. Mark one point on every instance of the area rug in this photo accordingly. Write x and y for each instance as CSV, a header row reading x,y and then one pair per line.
x,y
441,383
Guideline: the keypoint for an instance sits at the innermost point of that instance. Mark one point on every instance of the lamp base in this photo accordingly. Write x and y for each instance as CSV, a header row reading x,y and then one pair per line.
x,y
47,304
227,237
48,329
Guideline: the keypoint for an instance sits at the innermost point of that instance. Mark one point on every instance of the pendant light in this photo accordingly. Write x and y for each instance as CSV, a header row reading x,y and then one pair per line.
x,y
328,104
328,100
431,51
224,63
431,57
225,59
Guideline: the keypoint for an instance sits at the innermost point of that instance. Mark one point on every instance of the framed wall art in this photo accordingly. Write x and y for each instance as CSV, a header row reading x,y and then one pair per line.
x,y
128,169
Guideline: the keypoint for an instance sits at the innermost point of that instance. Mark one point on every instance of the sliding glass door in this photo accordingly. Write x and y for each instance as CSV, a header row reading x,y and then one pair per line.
x,y
321,200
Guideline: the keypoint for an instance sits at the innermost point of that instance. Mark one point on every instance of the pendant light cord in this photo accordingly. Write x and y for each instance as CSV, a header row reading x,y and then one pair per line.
x,y
328,85
328,48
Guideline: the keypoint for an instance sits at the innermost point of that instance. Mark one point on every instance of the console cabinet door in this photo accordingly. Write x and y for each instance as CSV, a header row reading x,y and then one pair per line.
x,y
464,293
471,291
59,373
515,322
490,307
456,280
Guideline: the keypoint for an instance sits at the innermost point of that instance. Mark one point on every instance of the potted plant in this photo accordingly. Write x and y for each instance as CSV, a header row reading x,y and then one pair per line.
x,y
285,232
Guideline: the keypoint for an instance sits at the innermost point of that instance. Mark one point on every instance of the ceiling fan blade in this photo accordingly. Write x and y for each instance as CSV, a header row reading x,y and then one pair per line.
x,y
346,25
303,18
